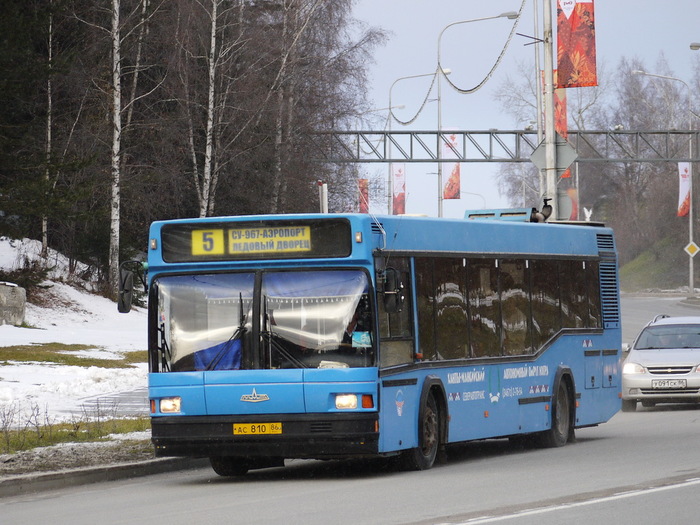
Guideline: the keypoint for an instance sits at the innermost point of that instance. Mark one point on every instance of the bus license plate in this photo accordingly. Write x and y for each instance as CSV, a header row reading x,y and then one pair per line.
x,y
668,383
256,429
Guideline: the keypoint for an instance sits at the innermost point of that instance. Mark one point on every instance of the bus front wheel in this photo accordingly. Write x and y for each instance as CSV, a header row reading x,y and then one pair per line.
x,y
229,465
423,456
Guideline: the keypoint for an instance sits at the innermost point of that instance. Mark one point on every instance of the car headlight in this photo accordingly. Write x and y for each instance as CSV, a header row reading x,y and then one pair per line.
x,y
633,368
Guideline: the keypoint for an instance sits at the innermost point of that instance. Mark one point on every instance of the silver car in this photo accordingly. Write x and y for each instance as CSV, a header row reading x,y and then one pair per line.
x,y
663,365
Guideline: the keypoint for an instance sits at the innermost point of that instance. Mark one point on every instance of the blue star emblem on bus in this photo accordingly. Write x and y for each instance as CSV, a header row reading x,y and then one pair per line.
x,y
254,397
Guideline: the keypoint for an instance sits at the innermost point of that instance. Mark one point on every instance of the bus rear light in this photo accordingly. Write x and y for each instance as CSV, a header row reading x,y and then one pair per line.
x,y
367,401
170,405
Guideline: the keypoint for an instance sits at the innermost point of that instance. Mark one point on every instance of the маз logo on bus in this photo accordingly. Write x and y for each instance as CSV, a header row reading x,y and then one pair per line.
x,y
255,397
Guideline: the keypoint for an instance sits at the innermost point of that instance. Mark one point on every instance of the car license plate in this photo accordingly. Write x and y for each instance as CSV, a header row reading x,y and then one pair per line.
x,y
668,383
256,429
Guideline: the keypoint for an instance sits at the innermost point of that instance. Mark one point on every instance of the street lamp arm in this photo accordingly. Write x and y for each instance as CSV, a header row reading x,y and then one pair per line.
x,y
510,15
666,77
644,73
445,71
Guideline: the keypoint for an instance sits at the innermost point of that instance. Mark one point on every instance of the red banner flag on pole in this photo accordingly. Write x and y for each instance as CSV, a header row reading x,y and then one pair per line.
x,y
683,188
452,187
398,205
561,117
576,52
364,195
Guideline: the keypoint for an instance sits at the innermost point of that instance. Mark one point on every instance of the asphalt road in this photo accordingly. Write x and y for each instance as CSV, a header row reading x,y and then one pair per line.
x,y
637,467
640,468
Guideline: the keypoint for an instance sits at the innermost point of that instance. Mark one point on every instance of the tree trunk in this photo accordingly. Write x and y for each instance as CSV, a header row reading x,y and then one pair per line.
x,y
205,205
49,139
116,152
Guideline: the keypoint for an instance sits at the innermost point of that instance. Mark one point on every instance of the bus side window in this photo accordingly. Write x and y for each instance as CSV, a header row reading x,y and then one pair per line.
x,y
515,306
425,303
396,338
546,307
484,308
574,300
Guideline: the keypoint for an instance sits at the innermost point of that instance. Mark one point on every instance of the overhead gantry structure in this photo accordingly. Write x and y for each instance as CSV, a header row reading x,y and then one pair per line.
x,y
501,146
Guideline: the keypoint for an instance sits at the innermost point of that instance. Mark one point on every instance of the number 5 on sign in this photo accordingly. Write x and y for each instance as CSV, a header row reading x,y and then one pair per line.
x,y
208,242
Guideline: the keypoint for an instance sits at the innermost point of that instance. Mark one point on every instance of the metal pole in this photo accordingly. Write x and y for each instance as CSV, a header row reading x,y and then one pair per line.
x,y
323,196
538,91
691,270
439,139
550,135
390,180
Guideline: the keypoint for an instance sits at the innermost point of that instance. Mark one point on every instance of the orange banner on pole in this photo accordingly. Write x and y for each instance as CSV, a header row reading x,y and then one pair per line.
x,y
683,188
398,174
364,195
561,117
576,51
452,187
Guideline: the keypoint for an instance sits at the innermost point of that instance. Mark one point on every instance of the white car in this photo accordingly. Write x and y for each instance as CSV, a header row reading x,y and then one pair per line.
x,y
663,365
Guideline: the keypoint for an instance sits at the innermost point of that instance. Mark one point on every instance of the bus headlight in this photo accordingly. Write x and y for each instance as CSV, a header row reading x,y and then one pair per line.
x,y
345,401
169,405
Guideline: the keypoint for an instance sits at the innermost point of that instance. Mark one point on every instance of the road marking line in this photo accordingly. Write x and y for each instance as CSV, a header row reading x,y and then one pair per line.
x,y
594,501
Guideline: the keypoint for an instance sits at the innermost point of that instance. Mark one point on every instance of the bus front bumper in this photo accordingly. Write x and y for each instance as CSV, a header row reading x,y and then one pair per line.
x,y
298,436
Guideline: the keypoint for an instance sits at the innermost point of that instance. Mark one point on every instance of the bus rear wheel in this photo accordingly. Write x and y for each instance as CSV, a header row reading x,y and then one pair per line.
x,y
558,434
423,456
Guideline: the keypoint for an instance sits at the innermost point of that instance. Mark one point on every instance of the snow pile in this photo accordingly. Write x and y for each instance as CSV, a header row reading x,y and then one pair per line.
x,y
70,317
15,254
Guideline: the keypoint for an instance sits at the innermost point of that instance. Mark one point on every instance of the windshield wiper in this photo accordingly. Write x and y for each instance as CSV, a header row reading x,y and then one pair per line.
x,y
269,337
273,343
165,353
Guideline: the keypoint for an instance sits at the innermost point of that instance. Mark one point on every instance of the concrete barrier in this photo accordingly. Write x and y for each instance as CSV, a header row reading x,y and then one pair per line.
x,y
13,300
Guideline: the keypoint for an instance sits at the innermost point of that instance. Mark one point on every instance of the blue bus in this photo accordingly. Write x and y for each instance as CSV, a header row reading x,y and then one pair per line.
x,y
338,336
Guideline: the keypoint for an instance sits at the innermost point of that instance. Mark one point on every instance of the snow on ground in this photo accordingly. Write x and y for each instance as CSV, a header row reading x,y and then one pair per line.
x,y
73,317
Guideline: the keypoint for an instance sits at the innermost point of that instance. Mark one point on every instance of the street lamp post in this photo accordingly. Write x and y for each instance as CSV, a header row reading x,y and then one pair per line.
x,y
511,15
691,272
390,182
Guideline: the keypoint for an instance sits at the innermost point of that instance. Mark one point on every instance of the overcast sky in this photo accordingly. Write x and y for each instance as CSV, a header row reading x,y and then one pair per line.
x,y
624,28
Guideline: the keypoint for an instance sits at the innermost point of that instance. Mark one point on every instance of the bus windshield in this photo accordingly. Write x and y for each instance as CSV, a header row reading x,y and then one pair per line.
x,y
304,319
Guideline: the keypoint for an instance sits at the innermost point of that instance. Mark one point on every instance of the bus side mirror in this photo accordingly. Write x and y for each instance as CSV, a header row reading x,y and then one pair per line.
x,y
126,283
393,291
126,290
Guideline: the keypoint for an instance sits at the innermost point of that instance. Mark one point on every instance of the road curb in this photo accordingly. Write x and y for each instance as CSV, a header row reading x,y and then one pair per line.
x,y
28,483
